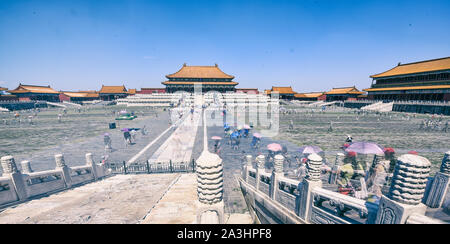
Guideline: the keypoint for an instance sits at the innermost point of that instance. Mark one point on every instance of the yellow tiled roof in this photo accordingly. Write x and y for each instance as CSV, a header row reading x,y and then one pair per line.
x,y
80,94
408,88
113,89
309,95
33,89
207,72
283,89
417,67
345,90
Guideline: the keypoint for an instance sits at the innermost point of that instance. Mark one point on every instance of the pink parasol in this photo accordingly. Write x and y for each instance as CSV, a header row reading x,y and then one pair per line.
x,y
310,149
365,148
246,126
274,147
257,135
216,138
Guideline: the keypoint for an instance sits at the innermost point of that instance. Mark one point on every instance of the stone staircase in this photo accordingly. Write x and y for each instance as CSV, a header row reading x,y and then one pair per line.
x,y
379,106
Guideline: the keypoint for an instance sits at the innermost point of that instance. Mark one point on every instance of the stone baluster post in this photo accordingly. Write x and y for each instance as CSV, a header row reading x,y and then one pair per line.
x,y
210,186
260,161
26,167
406,192
10,170
311,181
440,185
90,162
276,174
334,171
247,167
61,165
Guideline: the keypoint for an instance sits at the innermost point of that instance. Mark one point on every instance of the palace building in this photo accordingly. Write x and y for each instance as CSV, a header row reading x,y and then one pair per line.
x,y
151,90
343,94
427,80
310,96
79,96
32,92
284,92
109,93
211,78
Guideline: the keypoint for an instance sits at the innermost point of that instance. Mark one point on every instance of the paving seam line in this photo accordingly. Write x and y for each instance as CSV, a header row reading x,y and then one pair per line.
x,y
140,153
163,195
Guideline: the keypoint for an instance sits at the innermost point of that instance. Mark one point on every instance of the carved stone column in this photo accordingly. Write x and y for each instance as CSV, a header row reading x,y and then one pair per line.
x,y
247,167
209,172
276,174
260,161
26,167
10,170
406,192
440,185
311,181
61,165
90,162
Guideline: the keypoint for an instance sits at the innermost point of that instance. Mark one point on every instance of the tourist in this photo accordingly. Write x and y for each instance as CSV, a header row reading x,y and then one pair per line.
x,y
301,171
389,155
133,134
349,139
216,146
127,136
107,142
255,142
144,131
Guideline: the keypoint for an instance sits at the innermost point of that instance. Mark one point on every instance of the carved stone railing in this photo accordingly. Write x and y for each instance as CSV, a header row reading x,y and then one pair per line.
x,y
292,201
331,207
151,167
17,186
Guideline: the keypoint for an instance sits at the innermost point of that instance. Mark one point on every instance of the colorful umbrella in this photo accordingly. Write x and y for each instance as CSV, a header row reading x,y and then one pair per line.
x,y
413,152
247,127
125,129
257,135
310,149
274,147
216,138
106,134
365,148
389,150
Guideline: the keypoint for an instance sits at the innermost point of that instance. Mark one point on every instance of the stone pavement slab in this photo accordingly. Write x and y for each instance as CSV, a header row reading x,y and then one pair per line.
x,y
121,199
178,205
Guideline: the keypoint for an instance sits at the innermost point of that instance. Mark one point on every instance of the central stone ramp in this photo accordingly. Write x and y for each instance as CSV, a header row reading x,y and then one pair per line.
x,y
121,199
178,147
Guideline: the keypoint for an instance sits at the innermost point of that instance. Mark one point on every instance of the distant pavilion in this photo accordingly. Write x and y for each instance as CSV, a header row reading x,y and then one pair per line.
x,y
343,94
35,93
210,77
109,93
425,80
310,96
285,92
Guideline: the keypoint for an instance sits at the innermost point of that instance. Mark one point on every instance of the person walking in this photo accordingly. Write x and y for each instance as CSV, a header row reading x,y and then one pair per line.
x,y
127,137
107,142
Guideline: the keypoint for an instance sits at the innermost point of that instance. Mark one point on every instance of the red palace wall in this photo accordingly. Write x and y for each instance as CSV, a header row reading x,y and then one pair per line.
x,y
151,90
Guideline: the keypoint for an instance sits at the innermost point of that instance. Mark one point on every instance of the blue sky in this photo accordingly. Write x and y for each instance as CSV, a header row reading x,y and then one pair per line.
x,y
310,45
